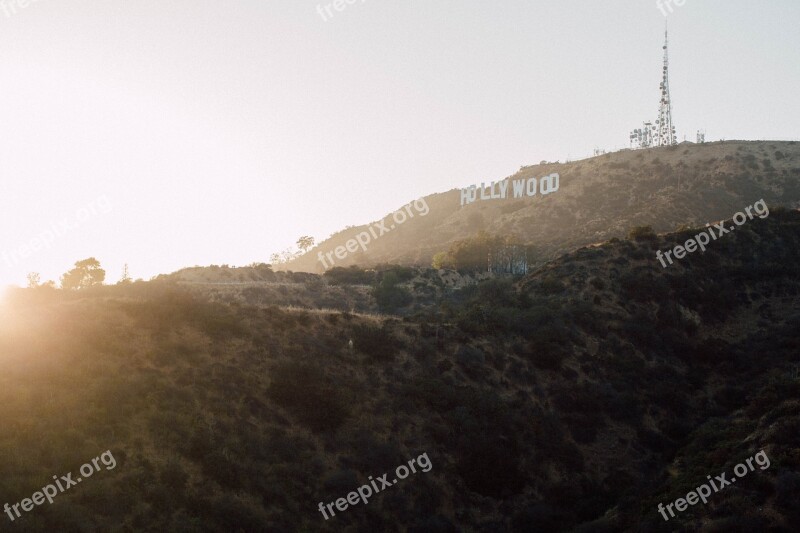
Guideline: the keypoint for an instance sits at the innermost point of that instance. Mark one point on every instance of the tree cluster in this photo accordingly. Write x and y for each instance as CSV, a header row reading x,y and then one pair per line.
x,y
472,254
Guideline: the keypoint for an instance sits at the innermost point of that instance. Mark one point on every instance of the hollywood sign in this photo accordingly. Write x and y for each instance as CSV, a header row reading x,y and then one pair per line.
x,y
520,189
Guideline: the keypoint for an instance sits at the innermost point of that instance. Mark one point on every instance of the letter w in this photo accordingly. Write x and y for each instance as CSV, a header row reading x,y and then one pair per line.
x,y
519,188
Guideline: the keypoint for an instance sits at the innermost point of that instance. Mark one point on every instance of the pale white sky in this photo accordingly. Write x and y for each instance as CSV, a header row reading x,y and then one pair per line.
x,y
219,132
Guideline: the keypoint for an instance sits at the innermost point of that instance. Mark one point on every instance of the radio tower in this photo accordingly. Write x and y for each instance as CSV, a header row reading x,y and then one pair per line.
x,y
665,131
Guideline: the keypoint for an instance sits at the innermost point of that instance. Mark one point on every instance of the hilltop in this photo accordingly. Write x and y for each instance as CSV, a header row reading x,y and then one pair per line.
x,y
599,198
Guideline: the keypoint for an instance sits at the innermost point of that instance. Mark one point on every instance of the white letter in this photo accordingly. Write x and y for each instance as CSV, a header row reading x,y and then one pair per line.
x,y
503,188
529,192
519,187
483,192
550,187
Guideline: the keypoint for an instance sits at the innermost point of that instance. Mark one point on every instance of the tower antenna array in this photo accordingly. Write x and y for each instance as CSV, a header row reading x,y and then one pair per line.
x,y
665,130
662,133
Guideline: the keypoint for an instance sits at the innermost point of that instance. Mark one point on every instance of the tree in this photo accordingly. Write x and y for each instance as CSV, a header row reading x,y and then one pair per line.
x,y
85,274
389,295
642,233
442,260
33,280
473,254
283,257
305,242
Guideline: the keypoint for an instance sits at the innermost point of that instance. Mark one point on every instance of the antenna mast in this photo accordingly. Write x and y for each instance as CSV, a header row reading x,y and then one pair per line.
x,y
665,130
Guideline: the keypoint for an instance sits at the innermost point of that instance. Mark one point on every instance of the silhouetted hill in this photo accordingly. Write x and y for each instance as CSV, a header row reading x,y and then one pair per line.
x,y
599,198
350,289
579,396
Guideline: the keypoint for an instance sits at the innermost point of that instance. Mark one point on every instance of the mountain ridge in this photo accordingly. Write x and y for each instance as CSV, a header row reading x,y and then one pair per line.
x,y
599,198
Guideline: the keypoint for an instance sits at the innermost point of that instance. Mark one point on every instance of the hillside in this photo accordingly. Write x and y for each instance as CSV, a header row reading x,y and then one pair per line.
x,y
350,289
598,198
579,396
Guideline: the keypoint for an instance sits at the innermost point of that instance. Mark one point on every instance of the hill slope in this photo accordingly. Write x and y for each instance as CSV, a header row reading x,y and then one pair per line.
x,y
598,198
581,396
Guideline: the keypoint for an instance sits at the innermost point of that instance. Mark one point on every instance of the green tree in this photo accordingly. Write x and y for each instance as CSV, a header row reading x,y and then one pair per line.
x,y
642,233
473,254
442,260
305,242
85,274
388,295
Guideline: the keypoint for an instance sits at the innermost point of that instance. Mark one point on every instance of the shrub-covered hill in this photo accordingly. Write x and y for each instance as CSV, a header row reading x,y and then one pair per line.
x,y
598,198
394,289
576,398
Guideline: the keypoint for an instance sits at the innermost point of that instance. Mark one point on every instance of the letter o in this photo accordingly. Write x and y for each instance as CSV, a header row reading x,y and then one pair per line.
x,y
91,471
736,470
528,191
549,183
744,218
404,468
394,216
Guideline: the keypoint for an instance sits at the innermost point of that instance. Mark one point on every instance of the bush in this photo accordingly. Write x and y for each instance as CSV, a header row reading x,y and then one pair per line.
x,y
375,342
548,355
583,427
489,467
641,285
403,273
173,476
388,295
442,260
787,491
642,233
307,393
341,481
471,255
544,516
551,285
349,276
580,398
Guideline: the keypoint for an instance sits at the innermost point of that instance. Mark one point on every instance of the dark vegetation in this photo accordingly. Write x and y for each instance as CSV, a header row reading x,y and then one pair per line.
x,y
351,275
576,398
388,293
470,255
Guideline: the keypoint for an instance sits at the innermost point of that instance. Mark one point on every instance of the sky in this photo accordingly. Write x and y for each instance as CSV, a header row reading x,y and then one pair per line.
x,y
174,133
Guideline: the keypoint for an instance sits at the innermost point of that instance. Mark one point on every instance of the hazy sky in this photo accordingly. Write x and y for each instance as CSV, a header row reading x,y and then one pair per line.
x,y
175,133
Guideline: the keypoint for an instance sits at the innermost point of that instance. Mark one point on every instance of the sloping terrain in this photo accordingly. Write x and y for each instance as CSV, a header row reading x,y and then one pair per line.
x,y
580,396
599,198
351,289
